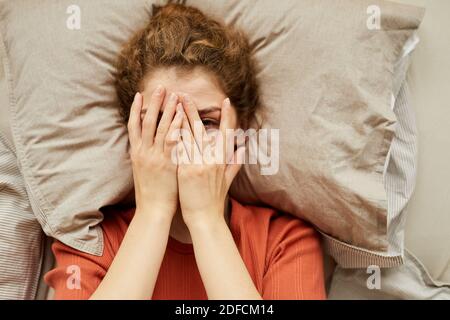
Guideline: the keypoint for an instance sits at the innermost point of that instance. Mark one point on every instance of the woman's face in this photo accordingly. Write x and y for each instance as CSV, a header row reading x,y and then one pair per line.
x,y
199,84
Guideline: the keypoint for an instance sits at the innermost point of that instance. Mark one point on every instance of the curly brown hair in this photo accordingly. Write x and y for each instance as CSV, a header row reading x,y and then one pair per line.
x,y
182,36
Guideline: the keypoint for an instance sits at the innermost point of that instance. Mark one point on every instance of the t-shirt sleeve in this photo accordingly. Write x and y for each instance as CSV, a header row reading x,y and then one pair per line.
x,y
294,263
77,275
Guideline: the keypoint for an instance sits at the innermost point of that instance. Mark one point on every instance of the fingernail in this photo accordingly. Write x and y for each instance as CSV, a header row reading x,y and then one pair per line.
x,y
187,98
173,96
159,89
136,96
227,102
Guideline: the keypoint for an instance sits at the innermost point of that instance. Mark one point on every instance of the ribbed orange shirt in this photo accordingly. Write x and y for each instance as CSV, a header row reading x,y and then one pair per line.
x,y
282,255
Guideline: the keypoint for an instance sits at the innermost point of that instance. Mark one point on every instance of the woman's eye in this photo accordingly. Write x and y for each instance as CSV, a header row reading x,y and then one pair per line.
x,y
210,122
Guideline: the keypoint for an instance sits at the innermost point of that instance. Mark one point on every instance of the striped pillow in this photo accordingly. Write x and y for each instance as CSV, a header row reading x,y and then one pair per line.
x,y
21,236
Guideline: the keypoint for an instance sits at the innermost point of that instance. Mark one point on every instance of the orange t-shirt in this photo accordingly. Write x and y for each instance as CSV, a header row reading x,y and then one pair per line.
x,y
282,255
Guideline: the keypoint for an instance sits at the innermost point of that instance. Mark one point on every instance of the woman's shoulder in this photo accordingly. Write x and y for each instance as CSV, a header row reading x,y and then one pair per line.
x,y
263,215
274,225
272,240
116,220
114,225
117,214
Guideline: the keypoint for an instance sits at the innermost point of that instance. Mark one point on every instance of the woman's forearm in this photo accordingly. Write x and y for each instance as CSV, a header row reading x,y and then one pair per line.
x,y
135,268
221,267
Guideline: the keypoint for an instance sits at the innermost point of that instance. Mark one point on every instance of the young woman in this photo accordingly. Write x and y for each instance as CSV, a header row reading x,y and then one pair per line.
x,y
186,239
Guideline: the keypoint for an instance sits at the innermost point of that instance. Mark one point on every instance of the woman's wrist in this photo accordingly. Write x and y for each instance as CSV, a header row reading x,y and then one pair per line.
x,y
154,215
206,221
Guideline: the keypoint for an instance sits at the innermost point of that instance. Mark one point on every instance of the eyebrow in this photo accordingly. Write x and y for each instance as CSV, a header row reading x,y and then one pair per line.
x,y
200,112
209,110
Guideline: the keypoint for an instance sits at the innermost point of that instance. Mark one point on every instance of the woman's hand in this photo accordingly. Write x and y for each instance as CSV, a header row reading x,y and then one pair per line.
x,y
203,187
204,177
154,172
134,271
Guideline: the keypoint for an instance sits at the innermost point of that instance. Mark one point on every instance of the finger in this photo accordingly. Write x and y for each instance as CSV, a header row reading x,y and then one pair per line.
x,y
166,120
151,117
195,121
189,141
228,121
183,154
235,165
134,122
173,136
186,136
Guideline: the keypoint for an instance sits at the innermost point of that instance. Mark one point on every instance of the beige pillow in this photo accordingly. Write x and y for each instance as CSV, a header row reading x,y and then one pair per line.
x,y
329,84
326,81
64,113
